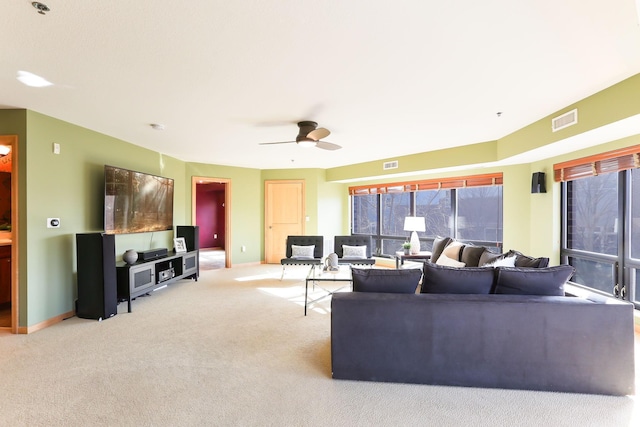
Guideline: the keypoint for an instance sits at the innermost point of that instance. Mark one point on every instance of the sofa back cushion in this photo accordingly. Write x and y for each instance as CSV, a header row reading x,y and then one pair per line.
x,y
548,281
385,280
439,243
439,279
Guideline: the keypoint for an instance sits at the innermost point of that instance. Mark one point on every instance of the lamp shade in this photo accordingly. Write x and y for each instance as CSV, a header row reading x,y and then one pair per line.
x,y
414,223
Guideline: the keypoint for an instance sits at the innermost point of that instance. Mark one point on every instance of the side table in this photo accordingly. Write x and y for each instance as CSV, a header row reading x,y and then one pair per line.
x,y
420,256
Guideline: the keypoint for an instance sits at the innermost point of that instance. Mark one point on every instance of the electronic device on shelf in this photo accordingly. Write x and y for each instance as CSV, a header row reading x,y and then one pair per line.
x,y
167,274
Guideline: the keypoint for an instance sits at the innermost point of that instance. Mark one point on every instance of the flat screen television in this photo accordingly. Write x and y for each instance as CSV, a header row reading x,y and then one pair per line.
x,y
136,202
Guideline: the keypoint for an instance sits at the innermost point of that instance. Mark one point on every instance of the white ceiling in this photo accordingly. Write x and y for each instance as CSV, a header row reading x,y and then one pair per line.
x,y
387,78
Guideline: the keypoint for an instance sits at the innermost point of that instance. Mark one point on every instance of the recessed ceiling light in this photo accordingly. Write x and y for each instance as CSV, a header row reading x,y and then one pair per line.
x,y
157,126
32,80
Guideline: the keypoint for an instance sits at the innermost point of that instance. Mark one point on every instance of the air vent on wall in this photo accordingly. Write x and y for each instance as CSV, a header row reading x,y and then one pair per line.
x,y
565,120
390,165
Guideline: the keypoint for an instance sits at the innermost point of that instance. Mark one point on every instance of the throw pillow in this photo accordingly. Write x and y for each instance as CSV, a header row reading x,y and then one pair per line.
x,y
488,257
445,260
385,280
453,250
439,243
509,261
302,251
546,281
471,255
527,261
359,252
440,279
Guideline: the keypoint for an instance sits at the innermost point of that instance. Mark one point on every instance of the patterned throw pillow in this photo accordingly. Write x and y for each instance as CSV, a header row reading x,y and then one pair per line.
x,y
509,261
357,252
302,251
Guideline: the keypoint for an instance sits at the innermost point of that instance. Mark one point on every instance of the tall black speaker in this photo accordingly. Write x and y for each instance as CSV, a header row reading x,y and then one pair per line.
x,y
191,234
538,184
97,283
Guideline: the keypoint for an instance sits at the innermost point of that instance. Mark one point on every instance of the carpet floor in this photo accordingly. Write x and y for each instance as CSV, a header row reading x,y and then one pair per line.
x,y
234,349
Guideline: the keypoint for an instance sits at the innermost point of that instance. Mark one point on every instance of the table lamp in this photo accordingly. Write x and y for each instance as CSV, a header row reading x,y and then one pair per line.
x,y
414,224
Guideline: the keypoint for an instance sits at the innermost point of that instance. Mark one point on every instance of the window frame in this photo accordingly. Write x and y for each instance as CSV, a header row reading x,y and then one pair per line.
x,y
452,184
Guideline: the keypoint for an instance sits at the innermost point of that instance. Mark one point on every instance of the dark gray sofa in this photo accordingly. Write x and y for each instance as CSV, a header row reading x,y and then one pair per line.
x,y
551,343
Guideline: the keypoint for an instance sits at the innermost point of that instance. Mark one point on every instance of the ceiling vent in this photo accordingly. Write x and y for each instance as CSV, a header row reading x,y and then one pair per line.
x,y
565,120
390,165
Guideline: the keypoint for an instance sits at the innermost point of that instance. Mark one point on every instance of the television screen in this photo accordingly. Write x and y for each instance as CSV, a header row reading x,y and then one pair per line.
x,y
136,202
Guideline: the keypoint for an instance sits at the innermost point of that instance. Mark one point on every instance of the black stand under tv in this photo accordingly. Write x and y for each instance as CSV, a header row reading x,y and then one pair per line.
x,y
143,277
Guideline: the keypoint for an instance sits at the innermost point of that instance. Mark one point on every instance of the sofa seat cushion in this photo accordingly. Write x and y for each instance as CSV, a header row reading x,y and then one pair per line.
x,y
548,281
439,279
385,280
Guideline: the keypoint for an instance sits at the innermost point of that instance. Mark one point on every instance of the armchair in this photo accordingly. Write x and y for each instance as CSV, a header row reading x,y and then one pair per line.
x,y
343,258
295,258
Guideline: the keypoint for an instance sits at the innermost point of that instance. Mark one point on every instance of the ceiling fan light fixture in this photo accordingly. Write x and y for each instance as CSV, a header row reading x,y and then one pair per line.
x,y
307,142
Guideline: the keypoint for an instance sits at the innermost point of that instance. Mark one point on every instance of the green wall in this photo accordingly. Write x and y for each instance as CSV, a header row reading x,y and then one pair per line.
x,y
70,186
246,211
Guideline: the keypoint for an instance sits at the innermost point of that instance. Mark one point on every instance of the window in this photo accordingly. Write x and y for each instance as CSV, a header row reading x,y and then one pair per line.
x,y
466,208
601,221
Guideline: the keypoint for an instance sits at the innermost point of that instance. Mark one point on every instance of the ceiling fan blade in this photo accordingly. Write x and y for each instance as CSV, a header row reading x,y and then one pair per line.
x,y
272,143
318,134
328,145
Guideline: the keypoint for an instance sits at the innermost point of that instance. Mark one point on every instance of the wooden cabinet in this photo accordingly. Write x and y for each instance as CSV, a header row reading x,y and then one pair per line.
x,y
5,274
145,276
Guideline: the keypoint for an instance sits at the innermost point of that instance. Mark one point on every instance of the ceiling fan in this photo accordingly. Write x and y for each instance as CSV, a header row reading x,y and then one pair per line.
x,y
309,136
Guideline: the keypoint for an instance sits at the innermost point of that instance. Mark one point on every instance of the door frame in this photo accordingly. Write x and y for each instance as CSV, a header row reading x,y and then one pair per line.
x,y
195,180
12,140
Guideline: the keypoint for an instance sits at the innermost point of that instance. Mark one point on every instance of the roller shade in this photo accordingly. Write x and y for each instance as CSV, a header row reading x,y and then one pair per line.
x,y
429,184
611,161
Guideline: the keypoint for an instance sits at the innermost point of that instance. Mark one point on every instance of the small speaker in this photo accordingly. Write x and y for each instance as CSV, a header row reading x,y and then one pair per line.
x,y
191,234
538,184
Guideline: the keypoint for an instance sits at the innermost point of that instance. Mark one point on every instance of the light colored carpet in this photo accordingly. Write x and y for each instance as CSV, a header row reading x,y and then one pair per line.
x,y
211,259
234,349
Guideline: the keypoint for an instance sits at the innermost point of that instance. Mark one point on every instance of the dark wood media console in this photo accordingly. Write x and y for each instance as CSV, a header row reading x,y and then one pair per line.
x,y
145,276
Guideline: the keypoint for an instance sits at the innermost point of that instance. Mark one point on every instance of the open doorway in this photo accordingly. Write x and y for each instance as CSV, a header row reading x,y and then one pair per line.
x,y
210,212
9,233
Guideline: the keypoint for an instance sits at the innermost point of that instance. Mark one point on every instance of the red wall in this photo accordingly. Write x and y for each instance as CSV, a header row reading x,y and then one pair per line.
x,y
210,215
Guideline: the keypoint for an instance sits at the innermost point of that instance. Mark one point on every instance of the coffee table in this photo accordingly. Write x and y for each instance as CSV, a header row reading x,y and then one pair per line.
x,y
318,277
